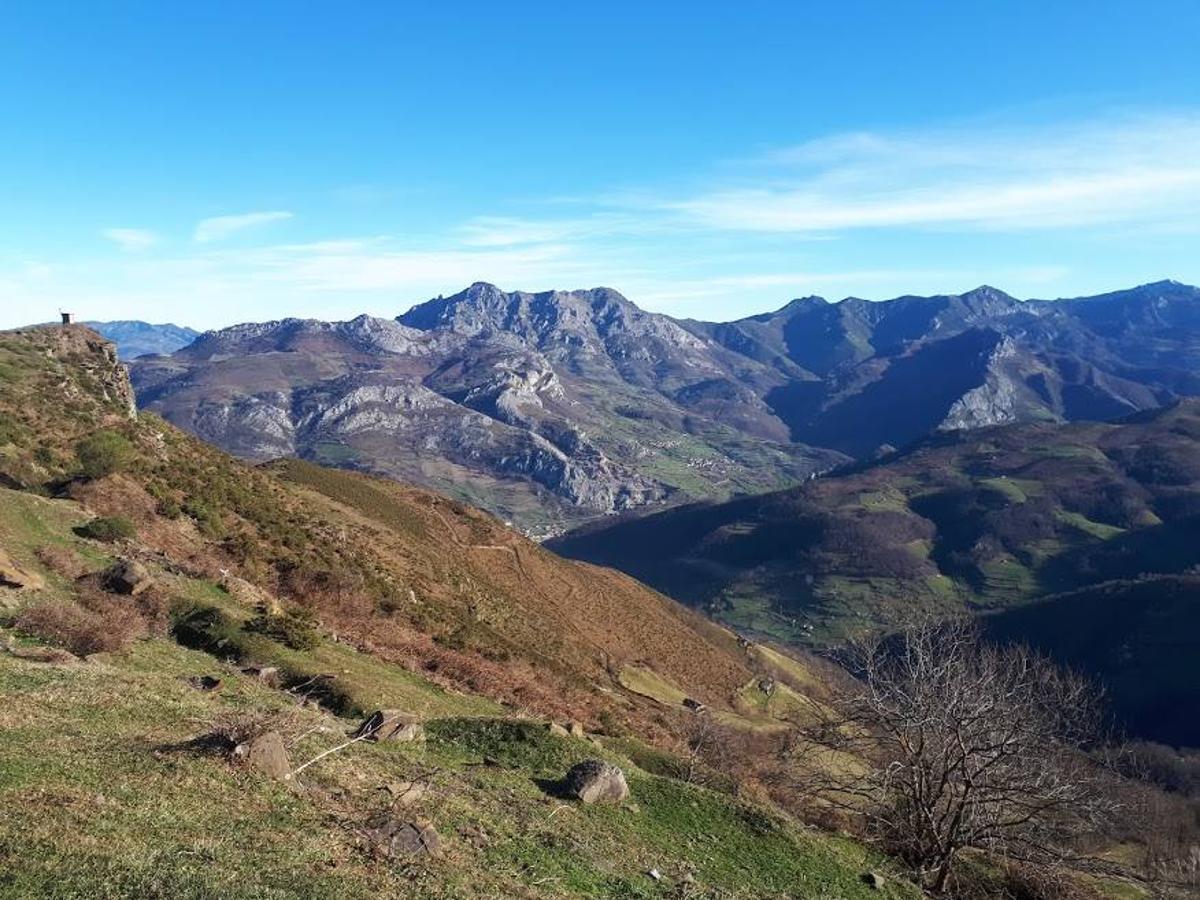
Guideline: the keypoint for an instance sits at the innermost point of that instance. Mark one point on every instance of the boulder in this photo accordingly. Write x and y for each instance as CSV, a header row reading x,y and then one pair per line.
x,y
575,728
265,754
595,781
127,576
873,880
557,730
391,725
396,838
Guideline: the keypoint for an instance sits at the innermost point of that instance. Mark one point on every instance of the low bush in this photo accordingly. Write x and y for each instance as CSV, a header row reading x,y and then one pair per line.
x,y
203,627
295,627
107,528
105,629
103,453
62,561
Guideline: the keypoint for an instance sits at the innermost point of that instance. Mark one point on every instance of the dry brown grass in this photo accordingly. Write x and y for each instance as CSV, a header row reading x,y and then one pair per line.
x,y
83,631
62,561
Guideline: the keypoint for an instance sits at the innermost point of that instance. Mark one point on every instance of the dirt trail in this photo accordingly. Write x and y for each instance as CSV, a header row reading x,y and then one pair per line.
x,y
504,548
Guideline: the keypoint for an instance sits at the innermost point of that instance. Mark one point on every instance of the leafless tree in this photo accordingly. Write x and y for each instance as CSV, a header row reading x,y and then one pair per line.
x,y
948,743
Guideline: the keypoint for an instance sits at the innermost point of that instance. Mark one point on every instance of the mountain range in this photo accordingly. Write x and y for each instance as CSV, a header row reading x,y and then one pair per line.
x,y
554,408
134,338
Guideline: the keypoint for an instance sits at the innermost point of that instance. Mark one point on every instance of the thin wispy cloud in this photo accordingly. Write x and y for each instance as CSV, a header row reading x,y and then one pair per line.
x,y
218,228
1136,169
131,240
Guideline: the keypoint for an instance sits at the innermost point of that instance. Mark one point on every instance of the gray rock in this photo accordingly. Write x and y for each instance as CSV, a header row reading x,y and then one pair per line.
x,y
391,725
266,755
128,576
873,880
595,781
394,838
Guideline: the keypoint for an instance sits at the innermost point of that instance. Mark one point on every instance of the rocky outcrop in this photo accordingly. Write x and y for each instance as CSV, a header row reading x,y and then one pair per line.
x,y
18,577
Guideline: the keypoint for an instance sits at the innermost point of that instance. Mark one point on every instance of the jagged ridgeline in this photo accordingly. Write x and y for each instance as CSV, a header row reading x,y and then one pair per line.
x,y
182,633
554,408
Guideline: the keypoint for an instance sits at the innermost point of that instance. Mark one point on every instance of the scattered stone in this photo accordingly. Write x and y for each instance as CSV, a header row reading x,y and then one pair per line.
x,y
873,880
266,754
394,838
557,730
693,705
128,576
407,793
575,728
391,725
595,781
655,874
767,686
204,682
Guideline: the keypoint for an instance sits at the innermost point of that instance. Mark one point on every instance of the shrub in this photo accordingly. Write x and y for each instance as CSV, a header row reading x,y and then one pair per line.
x,y
105,629
107,528
207,519
103,453
203,627
62,561
296,627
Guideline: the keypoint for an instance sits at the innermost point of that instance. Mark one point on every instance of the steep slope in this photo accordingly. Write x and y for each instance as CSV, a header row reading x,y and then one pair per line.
x,y
134,338
385,558
546,409
980,521
292,600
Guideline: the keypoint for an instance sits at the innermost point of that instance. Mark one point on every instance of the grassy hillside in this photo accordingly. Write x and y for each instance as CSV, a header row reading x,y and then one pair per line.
x,y
986,521
355,594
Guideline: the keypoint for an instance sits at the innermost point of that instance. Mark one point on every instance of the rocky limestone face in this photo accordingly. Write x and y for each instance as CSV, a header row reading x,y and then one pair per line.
x,y
550,408
554,407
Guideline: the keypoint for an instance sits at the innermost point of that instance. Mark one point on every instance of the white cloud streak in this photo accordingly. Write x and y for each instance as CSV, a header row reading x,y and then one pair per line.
x,y
218,228
1142,169
131,240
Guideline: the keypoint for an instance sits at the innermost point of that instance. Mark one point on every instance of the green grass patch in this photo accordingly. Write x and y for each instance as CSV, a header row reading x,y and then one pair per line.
x,y
1087,526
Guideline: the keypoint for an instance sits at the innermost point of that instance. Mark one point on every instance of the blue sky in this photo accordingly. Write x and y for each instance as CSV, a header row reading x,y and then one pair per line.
x,y
208,163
